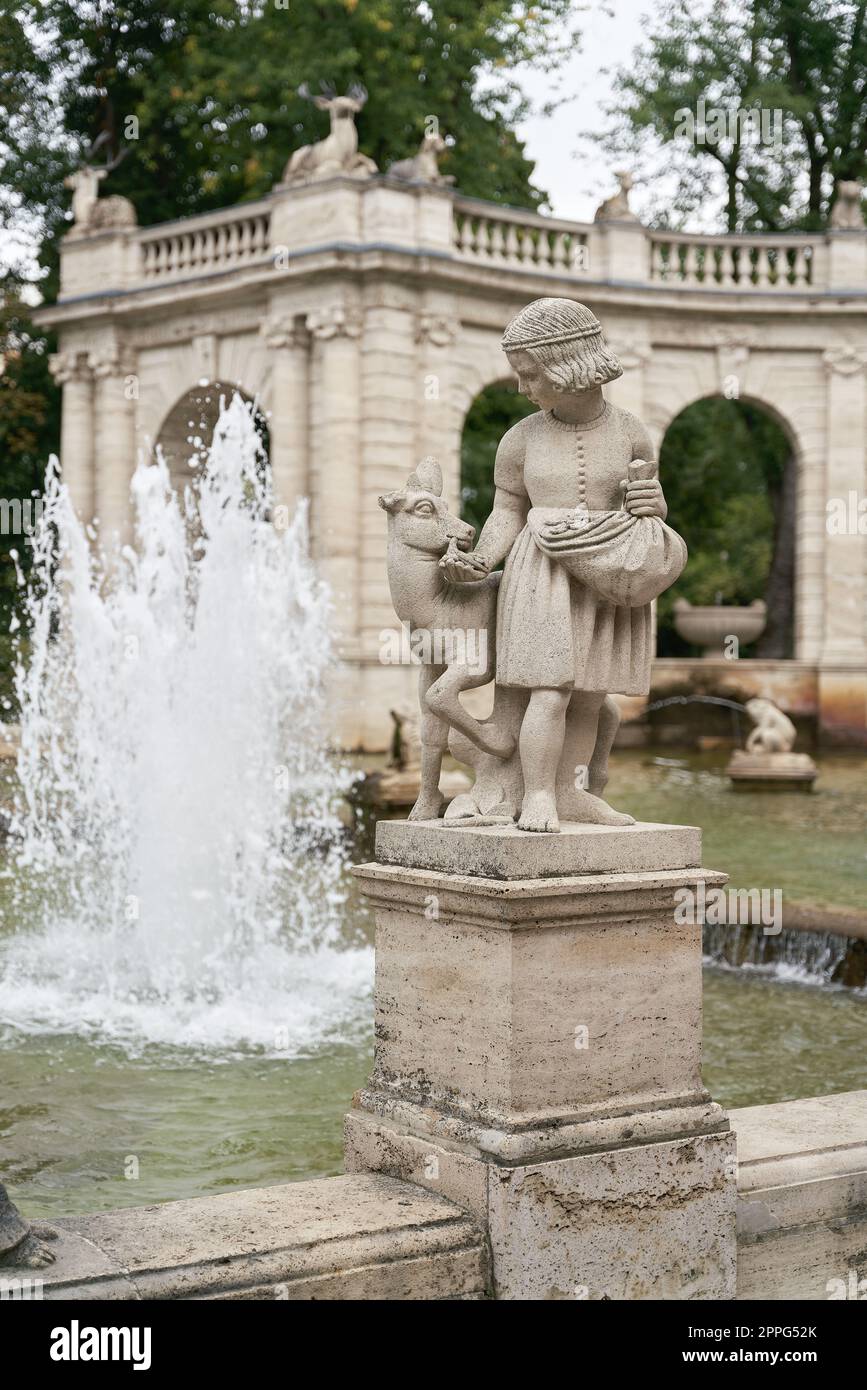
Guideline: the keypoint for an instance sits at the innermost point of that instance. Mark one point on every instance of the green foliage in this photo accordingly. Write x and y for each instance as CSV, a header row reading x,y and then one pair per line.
x,y
721,464
205,92
493,412
805,58
29,421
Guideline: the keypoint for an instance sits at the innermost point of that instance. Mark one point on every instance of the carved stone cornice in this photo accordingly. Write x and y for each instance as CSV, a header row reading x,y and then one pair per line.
x,y
112,361
69,366
288,332
337,321
845,361
439,329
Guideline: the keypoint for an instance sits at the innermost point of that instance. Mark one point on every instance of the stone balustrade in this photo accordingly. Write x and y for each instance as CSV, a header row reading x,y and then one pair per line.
x,y
757,262
379,211
514,237
205,244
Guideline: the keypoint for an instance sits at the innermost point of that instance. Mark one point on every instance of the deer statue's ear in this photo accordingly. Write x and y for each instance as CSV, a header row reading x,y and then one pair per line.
x,y
428,477
389,501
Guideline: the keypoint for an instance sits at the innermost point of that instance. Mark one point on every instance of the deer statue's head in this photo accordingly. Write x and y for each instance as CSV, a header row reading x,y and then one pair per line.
x,y
434,143
419,519
84,181
339,108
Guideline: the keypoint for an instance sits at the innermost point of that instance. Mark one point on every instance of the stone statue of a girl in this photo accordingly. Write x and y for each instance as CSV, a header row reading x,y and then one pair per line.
x,y
578,516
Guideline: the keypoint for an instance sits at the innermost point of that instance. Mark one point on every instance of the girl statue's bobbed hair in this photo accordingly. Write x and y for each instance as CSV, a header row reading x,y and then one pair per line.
x,y
566,340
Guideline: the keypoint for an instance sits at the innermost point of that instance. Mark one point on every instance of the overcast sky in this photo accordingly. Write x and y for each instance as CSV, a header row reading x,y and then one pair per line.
x,y
578,183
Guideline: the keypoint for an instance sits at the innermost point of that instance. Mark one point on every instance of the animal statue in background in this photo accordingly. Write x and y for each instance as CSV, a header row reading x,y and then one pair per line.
x,y
423,167
90,213
338,152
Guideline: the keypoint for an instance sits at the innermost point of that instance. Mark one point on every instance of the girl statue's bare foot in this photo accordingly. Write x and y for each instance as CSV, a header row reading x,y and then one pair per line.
x,y
586,809
539,812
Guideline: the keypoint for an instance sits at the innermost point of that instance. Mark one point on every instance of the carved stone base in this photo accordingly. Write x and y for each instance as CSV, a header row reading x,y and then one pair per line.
x,y
644,1221
538,1056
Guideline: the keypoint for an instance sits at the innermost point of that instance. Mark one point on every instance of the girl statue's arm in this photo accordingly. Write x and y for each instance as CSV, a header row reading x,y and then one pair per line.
x,y
508,516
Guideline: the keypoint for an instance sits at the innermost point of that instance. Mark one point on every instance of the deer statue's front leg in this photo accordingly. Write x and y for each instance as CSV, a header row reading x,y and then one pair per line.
x,y
430,804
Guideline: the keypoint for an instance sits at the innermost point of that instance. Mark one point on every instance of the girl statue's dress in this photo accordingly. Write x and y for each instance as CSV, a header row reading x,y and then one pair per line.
x,y
577,639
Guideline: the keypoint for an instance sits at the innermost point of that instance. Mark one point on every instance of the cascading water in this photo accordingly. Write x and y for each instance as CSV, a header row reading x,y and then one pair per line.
x,y
179,876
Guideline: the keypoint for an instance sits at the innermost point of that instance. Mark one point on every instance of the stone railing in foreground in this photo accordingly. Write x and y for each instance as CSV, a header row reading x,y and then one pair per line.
x,y
386,216
802,1230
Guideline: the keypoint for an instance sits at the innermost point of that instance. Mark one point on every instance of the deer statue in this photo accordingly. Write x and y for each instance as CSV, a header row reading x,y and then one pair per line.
x,y
338,152
616,208
846,214
91,213
453,637
424,165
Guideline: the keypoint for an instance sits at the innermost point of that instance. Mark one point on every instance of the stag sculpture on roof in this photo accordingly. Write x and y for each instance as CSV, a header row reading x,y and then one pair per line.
x,y
90,213
338,152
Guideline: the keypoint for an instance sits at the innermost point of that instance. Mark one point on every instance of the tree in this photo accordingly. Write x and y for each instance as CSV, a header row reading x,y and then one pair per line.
x,y
799,65
206,91
29,423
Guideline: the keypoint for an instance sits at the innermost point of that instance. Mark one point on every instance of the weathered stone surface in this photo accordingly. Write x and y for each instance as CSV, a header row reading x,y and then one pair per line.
x,y
359,1236
525,1006
504,852
654,1221
802,1209
645,1220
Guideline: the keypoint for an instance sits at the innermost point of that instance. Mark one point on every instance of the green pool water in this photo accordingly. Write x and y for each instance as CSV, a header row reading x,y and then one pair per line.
x,y
85,1126
812,846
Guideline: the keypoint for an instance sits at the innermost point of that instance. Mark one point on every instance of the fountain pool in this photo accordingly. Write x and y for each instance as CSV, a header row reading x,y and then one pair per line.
x,y
185,973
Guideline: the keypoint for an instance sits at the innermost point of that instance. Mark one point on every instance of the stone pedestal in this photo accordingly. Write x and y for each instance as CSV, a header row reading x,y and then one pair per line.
x,y
538,1055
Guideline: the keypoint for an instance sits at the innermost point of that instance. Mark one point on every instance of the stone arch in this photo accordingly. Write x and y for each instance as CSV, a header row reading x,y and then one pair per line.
x,y
780,585
187,428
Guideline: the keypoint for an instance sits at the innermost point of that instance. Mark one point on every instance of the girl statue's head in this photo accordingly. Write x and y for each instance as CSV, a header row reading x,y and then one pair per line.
x,y
556,346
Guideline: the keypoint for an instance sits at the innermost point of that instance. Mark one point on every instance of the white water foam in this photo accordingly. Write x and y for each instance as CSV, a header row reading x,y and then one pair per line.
x,y
179,878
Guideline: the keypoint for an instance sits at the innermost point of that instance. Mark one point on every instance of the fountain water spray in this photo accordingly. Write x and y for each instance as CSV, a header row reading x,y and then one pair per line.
x,y
179,870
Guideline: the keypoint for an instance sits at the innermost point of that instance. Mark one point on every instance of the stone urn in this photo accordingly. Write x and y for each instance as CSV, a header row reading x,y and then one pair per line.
x,y
709,626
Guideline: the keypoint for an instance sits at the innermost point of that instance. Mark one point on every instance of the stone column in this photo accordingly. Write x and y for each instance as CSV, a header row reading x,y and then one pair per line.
x,y
538,1054
336,473
436,335
115,448
289,341
71,371
843,663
